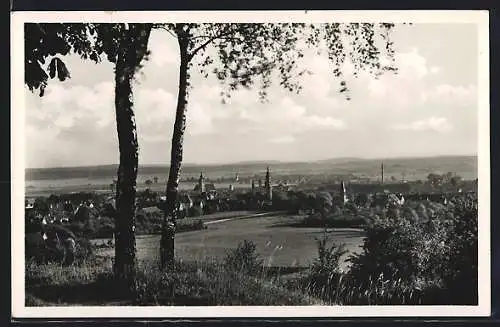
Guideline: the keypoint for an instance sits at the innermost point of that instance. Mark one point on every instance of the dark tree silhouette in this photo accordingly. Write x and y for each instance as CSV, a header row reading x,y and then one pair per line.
x,y
244,54
125,45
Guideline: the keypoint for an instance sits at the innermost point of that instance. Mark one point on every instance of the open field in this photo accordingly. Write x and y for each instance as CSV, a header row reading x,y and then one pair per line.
x,y
466,165
36,188
279,245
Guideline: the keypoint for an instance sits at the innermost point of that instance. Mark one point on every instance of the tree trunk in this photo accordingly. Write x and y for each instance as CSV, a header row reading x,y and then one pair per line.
x,y
131,50
170,214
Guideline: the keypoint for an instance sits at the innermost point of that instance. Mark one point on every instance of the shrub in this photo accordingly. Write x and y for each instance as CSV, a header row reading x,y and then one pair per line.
x,y
84,251
428,255
336,220
195,211
244,258
325,273
186,226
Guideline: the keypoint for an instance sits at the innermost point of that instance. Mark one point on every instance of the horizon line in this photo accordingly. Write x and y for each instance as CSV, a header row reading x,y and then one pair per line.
x,y
275,161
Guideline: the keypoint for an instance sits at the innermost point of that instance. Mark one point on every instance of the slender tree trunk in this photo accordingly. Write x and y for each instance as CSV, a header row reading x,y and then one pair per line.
x,y
131,50
170,215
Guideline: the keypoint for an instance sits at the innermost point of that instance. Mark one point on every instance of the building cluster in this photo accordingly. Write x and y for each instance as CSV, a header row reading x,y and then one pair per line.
x,y
63,211
206,197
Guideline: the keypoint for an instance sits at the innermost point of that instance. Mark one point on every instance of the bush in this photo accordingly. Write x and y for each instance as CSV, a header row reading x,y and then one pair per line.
x,y
186,226
325,274
339,220
424,256
244,258
84,251
422,253
195,211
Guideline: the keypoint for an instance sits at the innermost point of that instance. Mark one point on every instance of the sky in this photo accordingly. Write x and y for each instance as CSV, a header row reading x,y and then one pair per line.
x,y
429,108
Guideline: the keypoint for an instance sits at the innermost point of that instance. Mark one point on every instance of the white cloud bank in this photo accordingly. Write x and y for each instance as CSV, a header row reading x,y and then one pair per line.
x,y
77,117
437,124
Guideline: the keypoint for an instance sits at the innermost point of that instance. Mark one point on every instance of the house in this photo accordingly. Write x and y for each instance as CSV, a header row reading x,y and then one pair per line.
x,y
85,211
29,204
211,191
396,199
186,200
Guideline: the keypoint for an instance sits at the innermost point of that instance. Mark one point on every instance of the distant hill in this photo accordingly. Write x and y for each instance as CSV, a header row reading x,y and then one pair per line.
x,y
462,165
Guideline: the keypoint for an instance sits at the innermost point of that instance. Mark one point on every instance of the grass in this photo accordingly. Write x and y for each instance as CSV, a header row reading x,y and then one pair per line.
x,y
201,283
280,246
333,221
52,284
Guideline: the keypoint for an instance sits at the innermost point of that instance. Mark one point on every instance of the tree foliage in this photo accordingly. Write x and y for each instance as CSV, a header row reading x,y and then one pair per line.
x,y
243,55
46,44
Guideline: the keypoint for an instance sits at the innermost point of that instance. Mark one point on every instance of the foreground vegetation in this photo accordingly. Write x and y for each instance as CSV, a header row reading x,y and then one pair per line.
x,y
411,255
195,283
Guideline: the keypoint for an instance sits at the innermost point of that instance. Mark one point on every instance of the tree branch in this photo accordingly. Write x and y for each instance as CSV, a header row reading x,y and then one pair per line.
x,y
204,44
162,27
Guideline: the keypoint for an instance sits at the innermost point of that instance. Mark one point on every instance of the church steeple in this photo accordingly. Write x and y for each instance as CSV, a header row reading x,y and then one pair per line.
x,y
201,183
343,192
253,187
382,172
267,185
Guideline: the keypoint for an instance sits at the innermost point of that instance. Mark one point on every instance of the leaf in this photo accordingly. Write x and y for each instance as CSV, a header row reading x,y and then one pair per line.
x,y
62,71
52,68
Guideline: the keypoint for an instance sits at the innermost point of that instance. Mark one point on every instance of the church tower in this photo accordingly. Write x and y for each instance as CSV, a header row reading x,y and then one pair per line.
x,y
253,187
267,186
343,192
382,172
201,183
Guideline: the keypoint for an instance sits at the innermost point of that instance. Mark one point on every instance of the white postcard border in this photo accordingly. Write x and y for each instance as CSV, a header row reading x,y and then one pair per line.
x,y
19,310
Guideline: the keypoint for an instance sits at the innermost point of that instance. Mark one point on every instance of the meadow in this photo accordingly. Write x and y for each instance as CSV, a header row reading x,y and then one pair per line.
x,y
281,246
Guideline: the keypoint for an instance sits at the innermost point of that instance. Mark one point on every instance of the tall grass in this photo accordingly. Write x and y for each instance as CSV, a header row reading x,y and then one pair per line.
x,y
239,280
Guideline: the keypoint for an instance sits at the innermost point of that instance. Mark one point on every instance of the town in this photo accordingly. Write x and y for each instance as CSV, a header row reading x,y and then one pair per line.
x,y
205,198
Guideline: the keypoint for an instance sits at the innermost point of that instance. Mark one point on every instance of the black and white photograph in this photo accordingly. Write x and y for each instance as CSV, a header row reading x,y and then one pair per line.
x,y
226,164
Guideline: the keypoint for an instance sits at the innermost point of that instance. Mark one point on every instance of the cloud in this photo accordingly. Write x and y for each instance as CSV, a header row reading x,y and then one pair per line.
x,y
462,95
284,116
399,91
435,70
200,121
63,107
323,122
77,117
438,124
283,139
164,49
413,64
